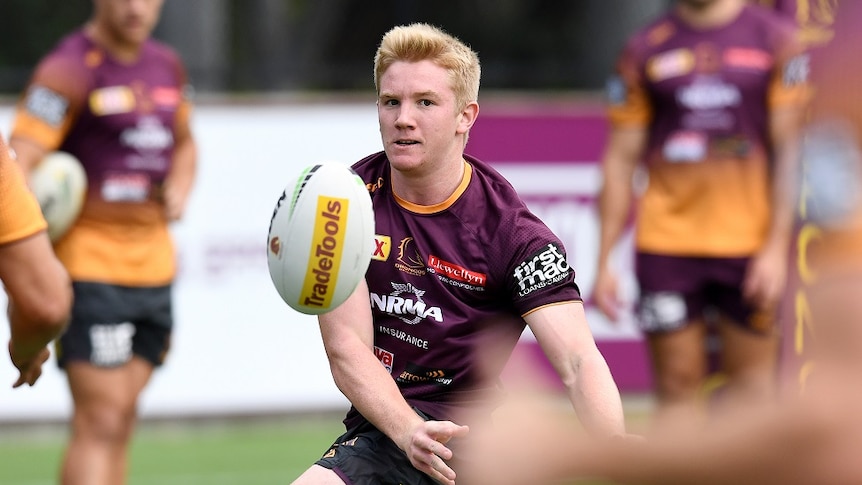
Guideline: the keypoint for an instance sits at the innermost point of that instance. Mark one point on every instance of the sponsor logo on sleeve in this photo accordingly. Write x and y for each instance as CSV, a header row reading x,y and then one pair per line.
x,y
327,246
797,70
615,90
544,268
47,105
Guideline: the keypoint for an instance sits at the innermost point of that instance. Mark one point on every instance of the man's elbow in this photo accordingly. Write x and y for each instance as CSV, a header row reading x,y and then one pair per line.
x,y
50,316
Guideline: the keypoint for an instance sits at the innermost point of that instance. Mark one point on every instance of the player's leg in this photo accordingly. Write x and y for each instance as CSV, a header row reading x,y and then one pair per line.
x,y
749,361
670,314
105,410
364,456
749,341
679,364
116,338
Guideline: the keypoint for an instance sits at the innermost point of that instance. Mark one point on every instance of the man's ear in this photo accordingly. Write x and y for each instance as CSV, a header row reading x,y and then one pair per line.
x,y
467,117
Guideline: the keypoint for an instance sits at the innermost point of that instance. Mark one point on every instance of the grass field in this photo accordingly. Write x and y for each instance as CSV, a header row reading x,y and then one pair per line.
x,y
258,450
202,452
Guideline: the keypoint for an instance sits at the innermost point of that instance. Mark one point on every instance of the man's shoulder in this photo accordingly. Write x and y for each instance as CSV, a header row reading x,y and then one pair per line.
x,y
370,165
159,48
71,48
652,36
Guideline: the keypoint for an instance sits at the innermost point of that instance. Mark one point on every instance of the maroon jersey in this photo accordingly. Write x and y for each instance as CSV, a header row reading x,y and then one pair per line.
x,y
705,96
120,119
449,281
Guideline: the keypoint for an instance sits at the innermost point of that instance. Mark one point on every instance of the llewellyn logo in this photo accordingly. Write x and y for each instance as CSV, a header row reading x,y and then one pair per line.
x,y
327,246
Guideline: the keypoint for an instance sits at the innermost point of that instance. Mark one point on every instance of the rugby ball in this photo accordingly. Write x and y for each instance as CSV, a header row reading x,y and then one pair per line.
x,y
59,183
321,238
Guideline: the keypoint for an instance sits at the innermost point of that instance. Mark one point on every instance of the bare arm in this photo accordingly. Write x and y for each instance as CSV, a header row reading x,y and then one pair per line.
x,y
178,184
28,154
565,337
348,338
620,159
40,297
768,273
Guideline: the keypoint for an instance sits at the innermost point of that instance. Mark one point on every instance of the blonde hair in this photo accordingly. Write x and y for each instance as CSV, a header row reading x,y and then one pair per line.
x,y
420,42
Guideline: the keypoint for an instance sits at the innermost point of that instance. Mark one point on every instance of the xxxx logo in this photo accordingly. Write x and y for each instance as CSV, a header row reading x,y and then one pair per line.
x,y
382,247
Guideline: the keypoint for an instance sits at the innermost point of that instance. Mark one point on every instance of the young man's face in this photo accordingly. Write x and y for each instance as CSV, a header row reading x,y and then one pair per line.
x,y
420,125
128,21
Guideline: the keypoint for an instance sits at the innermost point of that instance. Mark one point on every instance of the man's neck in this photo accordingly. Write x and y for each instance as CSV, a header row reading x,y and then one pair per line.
x,y
117,48
705,15
425,190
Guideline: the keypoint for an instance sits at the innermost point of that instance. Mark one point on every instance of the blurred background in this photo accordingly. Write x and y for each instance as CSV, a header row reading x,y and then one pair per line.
x,y
252,46
281,84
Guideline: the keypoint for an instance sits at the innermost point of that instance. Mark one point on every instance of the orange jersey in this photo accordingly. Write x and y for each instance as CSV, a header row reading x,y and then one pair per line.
x,y
121,121
704,96
20,215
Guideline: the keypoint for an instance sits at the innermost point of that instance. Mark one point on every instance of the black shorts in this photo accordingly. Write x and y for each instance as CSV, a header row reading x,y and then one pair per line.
x,y
365,456
111,323
674,290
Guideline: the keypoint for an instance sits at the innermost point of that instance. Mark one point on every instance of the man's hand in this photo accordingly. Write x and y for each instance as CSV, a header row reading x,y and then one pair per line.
x,y
606,294
30,368
766,278
426,448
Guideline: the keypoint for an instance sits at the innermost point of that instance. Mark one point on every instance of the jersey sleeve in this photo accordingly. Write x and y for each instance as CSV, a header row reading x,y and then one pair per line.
x,y
790,84
20,215
53,98
538,273
628,101
182,119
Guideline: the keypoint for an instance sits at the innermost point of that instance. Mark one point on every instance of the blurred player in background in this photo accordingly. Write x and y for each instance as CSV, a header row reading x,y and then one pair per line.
x,y
461,265
829,183
116,99
37,285
812,437
709,98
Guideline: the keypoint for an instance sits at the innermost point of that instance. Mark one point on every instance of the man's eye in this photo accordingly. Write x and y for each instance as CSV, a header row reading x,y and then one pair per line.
x,y
390,102
426,102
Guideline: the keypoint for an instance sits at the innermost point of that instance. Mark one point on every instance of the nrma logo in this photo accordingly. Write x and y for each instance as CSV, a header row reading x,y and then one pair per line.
x,y
410,309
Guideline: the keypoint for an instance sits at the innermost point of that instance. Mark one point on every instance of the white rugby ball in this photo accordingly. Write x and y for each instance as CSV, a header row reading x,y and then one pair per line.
x,y
321,238
59,183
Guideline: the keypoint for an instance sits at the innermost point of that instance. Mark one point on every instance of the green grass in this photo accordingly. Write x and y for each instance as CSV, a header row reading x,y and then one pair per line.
x,y
200,451
213,453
